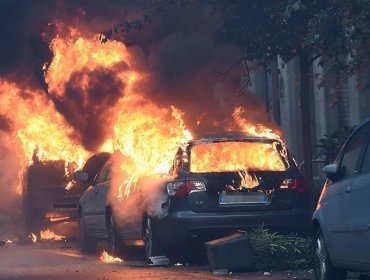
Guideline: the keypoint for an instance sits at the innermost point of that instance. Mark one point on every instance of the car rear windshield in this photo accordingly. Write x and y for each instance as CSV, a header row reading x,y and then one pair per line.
x,y
236,156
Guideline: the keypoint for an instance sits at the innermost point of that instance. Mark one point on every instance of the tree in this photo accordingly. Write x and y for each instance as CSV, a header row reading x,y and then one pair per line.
x,y
336,33
330,145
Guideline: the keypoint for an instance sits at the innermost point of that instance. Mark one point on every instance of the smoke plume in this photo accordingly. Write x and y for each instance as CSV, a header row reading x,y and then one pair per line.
x,y
178,54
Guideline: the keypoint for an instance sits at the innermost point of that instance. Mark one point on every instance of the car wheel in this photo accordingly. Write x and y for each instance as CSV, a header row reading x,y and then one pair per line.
x,y
87,244
114,240
152,245
324,269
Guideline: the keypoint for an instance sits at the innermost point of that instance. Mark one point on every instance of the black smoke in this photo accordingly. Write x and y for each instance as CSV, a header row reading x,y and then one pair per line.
x,y
5,123
179,50
89,108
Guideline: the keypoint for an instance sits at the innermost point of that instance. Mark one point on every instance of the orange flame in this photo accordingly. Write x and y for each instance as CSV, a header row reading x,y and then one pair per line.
x,y
235,156
33,237
49,235
38,125
247,180
145,133
106,258
251,129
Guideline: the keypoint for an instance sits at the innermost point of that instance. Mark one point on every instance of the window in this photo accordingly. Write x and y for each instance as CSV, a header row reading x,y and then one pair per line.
x,y
231,156
103,174
366,161
353,152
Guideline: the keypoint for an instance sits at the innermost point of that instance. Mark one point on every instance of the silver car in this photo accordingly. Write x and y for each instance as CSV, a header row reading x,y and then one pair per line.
x,y
341,222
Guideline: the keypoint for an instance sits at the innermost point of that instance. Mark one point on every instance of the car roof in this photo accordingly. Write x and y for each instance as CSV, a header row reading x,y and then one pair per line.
x,y
230,136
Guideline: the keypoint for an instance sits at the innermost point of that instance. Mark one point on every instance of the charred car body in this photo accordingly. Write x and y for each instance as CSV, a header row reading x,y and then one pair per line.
x,y
50,194
217,185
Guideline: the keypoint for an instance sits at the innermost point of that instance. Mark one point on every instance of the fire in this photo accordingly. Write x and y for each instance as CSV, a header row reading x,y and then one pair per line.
x,y
38,125
247,180
146,134
49,235
235,156
251,129
106,258
33,237
75,52
150,138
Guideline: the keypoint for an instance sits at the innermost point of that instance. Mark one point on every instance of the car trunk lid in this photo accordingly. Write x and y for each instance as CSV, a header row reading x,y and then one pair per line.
x,y
224,192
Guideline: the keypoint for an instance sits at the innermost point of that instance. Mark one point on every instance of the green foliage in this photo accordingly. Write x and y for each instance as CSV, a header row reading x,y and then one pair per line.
x,y
274,251
330,145
335,32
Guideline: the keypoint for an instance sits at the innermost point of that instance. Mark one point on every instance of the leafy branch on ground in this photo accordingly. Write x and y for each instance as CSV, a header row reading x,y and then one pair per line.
x,y
273,251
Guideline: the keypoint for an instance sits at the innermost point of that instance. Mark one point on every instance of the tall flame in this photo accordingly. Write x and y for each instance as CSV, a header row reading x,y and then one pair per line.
x,y
38,125
146,134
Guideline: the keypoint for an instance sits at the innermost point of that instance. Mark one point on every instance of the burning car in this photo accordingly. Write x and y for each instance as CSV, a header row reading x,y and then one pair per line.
x,y
50,194
216,186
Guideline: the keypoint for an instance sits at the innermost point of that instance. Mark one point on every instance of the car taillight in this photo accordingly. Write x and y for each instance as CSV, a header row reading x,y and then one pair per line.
x,y
183,188
297,185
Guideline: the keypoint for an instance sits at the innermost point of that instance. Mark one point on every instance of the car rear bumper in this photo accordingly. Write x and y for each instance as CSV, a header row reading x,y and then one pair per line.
x,y
178,227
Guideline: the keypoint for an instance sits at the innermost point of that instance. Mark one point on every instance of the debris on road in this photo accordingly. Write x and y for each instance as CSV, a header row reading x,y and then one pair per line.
x,y
230,253
156,261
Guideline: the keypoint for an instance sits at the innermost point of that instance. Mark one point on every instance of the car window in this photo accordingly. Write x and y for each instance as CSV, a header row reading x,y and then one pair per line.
x,y
366,161
103,174
230,156
353,152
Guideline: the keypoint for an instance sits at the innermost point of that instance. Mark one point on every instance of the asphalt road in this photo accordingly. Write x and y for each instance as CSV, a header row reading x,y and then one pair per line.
x,y
62,260
54,260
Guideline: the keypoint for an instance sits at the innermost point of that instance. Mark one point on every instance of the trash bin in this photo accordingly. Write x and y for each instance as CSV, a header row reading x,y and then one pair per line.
x,y
230,253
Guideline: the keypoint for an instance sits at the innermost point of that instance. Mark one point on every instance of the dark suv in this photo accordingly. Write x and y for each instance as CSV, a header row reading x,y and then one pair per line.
x,y
221,184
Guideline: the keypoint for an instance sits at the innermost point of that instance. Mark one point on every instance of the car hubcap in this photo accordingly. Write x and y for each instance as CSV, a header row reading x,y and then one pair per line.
x,y
320,254
148,238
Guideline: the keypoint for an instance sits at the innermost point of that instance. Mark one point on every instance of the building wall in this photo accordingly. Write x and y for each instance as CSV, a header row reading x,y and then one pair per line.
x,y
329,112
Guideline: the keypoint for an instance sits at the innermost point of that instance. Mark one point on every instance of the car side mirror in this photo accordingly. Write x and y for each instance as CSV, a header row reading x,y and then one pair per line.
x,y
81,176
331,171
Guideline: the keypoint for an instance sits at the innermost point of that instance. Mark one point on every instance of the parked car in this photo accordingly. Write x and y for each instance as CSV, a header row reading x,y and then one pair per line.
x,y
206,198
46,196
92,205
341,222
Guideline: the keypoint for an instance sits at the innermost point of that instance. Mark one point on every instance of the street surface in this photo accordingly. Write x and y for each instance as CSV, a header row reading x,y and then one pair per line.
x,y
48,260
57,260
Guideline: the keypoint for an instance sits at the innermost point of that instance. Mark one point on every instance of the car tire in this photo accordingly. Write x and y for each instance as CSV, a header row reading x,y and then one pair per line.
x,y
324,269
153,247
115,244
87,243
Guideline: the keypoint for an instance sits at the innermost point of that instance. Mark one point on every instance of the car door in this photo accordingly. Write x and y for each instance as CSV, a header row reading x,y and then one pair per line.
x,y
359,206
337,203
334,212
94,201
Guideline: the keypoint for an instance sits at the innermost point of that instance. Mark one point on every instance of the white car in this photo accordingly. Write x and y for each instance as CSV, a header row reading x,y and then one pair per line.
x,y
95,208
91,208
